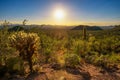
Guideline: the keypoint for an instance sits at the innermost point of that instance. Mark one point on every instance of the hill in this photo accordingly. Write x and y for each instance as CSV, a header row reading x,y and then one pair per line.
x,y
16,28
116,28
80,27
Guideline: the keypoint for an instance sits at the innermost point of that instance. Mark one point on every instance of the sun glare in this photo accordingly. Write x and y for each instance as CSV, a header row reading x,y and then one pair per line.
x,y
59,14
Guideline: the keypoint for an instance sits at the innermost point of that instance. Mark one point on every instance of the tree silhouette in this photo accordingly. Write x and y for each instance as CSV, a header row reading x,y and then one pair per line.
x,y
24,22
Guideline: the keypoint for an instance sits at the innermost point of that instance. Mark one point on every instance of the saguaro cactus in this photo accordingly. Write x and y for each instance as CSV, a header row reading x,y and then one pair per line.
x,y
84,32
27,44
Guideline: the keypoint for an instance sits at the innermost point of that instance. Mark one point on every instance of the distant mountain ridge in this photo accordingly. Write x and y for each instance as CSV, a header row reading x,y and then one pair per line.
x,y
80,27
16,28
116,28
50,27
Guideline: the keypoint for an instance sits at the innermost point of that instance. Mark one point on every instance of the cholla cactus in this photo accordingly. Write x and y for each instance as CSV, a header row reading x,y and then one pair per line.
x,y
27,44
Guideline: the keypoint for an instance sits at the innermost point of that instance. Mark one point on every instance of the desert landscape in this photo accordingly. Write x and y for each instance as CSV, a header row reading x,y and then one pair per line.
x,y
59,40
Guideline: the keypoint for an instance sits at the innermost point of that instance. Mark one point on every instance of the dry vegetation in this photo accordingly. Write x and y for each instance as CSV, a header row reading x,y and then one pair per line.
x,y
36,54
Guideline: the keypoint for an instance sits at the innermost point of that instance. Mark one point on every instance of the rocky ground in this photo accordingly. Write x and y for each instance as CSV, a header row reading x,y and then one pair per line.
x,y
85,72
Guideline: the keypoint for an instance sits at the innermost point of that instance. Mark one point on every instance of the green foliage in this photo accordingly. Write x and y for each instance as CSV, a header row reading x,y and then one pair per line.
x,y
105,45
72,60
100,48
108,61
15,65
5,49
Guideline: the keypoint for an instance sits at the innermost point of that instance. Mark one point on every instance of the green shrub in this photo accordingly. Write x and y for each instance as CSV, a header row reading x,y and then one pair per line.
x,y
72,60
15,65
5,49
109,61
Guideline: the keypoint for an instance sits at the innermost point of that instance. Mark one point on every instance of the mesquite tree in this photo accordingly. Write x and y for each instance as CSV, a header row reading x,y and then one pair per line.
x,y
27,44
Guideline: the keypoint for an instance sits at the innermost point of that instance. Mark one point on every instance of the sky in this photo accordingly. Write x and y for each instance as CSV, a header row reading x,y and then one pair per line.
x,y
77,12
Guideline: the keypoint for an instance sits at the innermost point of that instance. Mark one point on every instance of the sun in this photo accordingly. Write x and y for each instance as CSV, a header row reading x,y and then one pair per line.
x,y
59,14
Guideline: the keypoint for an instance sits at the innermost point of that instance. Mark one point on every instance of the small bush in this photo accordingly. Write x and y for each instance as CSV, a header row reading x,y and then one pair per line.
x,y
109,61
15,65
72,60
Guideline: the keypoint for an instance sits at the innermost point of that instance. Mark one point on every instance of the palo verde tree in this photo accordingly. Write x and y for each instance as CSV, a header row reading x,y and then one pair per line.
x,y
27,44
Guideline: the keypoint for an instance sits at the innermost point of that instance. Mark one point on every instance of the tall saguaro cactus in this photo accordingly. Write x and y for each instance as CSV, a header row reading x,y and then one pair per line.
x,y
27,44
84,37
84,33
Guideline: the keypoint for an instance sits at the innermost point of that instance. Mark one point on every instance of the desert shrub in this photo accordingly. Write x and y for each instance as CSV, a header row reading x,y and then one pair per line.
x,y
27,44
72,60
15,65
80,47
104,46
59,35
90,57
75,46
5,49
46,47
109,61
51,46
61,60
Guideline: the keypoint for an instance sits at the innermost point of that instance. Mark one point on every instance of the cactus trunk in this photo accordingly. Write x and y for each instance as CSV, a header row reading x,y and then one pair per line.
x,y
84,33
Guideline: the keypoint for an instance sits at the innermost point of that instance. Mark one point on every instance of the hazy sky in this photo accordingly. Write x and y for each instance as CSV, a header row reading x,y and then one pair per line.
x,y
92,12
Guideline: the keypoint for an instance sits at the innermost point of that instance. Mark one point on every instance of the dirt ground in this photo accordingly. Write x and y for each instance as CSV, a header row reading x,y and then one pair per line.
x,y
85,72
